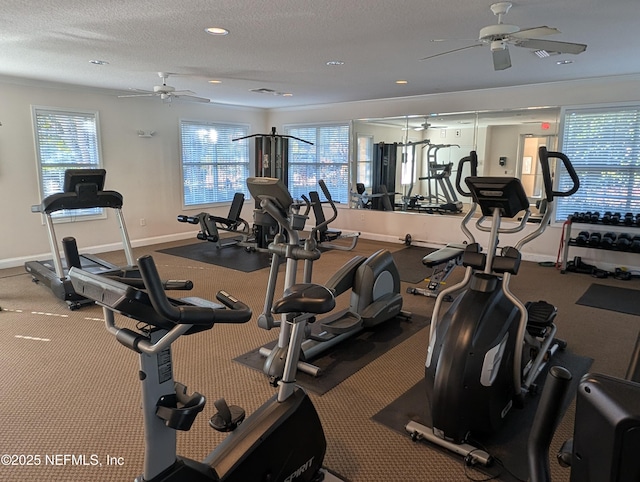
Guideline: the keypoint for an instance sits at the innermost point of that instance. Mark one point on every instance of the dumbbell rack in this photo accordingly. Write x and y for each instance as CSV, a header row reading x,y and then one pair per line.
x,y
570,242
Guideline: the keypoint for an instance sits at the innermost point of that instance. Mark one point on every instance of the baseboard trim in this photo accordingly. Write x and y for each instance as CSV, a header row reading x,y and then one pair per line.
x,y
103,248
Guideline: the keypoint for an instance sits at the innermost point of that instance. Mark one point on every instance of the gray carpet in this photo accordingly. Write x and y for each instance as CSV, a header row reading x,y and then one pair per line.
x,y
613,298
509,446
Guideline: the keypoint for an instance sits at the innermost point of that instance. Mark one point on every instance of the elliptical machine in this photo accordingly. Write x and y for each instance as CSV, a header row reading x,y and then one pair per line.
x,y
487,350
374,282
282,441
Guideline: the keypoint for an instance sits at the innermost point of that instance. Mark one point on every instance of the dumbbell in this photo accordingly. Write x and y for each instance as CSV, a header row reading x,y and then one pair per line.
x,y
628,219
635,244
582,238
594,217
607,240
582,217
615,218
606,217
594,240
624,242
638,219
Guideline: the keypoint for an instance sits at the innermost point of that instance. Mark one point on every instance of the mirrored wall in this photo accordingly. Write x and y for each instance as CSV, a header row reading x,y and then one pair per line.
x,y
410,163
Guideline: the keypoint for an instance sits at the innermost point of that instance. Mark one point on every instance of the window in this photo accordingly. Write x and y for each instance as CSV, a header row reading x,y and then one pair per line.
x,y
214,166
64,140
603,145
326,159
365,158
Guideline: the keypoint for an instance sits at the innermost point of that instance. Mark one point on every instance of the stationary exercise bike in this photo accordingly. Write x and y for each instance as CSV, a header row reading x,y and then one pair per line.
x,y
374,282
282,441
487,350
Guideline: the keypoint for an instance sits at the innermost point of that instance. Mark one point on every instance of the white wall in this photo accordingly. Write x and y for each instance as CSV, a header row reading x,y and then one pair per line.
x,y
145,170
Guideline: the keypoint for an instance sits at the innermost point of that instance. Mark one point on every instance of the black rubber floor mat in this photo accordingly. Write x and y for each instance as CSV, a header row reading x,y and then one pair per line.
x,y
509,445
345,359
613,298
233,257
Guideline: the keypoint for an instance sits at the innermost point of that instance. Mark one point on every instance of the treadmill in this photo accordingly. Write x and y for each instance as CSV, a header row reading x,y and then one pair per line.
x,y
84,189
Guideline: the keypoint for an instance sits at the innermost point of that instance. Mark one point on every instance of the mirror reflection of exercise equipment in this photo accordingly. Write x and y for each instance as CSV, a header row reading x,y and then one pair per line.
x,y
441,196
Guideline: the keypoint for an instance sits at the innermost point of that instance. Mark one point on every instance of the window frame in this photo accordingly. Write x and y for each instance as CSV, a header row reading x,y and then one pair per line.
x,y
562,181
247,172
67,216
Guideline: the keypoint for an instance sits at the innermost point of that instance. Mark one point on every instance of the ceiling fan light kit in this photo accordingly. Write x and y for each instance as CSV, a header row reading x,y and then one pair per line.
x,y
501,35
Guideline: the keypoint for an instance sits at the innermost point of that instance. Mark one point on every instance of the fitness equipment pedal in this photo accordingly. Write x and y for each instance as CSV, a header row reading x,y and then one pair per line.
x,y
540,317
227,418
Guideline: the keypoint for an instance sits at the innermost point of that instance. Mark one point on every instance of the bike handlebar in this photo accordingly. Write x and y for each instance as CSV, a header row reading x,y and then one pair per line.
x,y
238,312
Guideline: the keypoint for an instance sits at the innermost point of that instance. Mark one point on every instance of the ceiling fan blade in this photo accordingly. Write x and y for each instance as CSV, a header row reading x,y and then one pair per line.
x,y
528,33
451,51
150,94
501,59
183,92
192,98
552,46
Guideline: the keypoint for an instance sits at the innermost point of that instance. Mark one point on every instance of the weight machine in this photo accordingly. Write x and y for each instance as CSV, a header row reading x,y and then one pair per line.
x,y
272,160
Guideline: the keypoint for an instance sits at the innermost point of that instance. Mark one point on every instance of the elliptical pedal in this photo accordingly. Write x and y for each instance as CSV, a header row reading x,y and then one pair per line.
x,y
540,317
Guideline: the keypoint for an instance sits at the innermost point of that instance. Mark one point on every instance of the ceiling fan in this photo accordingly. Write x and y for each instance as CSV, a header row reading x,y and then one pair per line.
x,y
167,93
499,36
426,125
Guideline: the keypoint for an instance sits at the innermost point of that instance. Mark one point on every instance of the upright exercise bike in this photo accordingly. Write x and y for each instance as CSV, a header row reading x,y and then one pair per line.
x,y
487,350
282,441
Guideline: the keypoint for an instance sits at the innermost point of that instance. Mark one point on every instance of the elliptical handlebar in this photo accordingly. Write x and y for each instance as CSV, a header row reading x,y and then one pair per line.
x,y
544,156
327,195
545,422
238,312
472,159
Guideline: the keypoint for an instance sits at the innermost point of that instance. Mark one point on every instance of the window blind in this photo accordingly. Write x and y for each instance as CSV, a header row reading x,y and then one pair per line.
x,y
326,159
65,140
603,145
214,167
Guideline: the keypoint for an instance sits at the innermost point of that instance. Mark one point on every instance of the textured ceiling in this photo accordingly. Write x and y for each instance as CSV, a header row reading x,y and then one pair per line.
x,y
284,45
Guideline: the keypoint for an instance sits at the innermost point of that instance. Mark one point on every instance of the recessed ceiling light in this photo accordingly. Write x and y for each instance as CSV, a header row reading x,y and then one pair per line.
x,y
335,62
402,82
564,62
216,31
99,62
214,81
287,94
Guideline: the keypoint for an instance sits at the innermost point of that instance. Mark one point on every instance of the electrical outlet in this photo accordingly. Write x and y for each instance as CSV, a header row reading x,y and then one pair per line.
x,y
143,222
